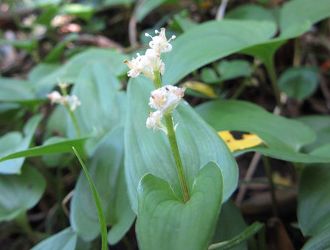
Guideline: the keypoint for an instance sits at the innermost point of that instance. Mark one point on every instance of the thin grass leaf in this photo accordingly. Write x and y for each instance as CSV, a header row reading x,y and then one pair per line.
x,y
96,197
245,235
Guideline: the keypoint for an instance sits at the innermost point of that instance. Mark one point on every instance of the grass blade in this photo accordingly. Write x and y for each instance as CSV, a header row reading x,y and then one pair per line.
x,y
97,200
246,234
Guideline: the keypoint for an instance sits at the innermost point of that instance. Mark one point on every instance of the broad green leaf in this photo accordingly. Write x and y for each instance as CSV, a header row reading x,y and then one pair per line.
x,y
147,151
321,125
183,21
14,90
209,75
283,137
107,170
54,148
108,3
15,142
41,70
46,16
314,200
322,151
145,7
20,192
299,83
165,222
191,50
251,12
297,16
233,69
73,67
57,122
43,3
320,241
83,11
102,102
230,224
63,240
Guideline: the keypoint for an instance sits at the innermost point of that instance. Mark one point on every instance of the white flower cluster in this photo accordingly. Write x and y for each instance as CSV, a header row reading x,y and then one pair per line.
x,y
164,100
72,101
150,62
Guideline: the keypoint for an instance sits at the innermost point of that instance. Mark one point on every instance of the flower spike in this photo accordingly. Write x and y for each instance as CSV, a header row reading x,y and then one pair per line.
x,y
160,43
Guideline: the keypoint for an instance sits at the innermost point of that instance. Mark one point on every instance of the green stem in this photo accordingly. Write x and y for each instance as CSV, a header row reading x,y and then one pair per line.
x,y
174,146
157,80
297,53
269,64
245,235
176,154
74,121
97,200
71,113
239,90
268,170
23,221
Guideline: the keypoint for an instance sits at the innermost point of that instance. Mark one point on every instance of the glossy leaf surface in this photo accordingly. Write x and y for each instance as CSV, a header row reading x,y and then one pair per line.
x,y
147,151
20,192
165,222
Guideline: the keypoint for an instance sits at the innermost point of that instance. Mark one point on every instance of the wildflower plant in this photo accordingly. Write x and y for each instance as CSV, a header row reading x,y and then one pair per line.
x,y
164,99
70,102
147,155
169,119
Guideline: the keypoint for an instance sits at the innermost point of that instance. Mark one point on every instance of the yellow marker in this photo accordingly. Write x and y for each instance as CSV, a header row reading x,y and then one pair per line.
x,y
247,141
200,87
281,180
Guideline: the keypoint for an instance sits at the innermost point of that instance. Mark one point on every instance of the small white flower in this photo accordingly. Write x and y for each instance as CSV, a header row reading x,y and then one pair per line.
x,y
73,102
55,97
154,121
160,43
166,98
135,65
153,61
146,64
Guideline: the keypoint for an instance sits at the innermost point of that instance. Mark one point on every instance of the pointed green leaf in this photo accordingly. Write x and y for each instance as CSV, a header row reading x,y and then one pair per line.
x,y
299,83
17,144
63,240
320,241
296,17
14,90
191,50
251,12
73,67
147,151
283,137
63,146
20,192
314,200
165,222
321,125
102,102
